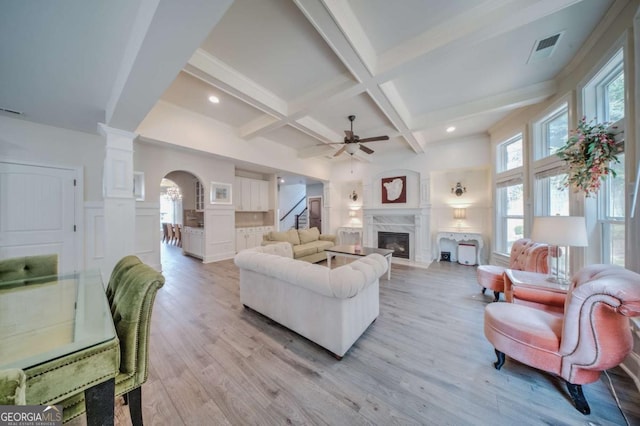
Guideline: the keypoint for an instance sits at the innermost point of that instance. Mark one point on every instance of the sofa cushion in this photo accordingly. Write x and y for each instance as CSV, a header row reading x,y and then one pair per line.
x,y
290,236
319,245
303,250
308,235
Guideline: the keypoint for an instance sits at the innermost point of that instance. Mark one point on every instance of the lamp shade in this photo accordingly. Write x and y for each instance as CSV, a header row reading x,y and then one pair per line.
x,y
560,230
459,213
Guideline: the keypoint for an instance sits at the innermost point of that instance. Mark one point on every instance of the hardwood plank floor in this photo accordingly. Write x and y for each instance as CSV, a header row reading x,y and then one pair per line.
x,y
424,361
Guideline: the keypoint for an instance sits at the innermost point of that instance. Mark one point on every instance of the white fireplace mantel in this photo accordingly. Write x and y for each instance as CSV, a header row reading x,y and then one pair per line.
x,y
414,221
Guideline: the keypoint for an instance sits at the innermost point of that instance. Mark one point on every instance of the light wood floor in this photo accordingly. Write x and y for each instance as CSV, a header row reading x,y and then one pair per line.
x,y
424,361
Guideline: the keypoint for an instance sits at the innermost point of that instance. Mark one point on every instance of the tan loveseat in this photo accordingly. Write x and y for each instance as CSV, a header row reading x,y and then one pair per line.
x,y
307,244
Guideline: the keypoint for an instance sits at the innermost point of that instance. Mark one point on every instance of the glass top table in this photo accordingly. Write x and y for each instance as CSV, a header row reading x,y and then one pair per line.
x,y
45,318
358,251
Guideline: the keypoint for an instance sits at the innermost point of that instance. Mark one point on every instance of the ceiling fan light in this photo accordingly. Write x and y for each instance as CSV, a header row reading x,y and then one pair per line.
x,y
352,148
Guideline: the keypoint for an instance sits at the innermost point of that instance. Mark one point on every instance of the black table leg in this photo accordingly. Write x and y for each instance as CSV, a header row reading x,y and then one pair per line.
x,y
99,402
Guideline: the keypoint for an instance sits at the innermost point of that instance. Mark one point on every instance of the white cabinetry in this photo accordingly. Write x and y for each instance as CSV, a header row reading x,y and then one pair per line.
x,y
250,237
251,195
193,241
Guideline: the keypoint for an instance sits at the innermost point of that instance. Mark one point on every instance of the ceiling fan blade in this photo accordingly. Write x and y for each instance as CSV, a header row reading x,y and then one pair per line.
x,y
375,138
340,151
349,134
366,149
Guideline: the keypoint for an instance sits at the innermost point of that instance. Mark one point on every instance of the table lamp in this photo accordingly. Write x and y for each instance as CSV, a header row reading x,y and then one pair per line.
x,y
560,231
459,214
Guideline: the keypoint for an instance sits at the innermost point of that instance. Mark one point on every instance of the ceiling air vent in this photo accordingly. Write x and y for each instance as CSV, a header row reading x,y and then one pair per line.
x,y
544,48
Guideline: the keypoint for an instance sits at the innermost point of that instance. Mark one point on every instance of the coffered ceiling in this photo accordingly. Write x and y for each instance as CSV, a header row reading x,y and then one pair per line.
x,y
292,71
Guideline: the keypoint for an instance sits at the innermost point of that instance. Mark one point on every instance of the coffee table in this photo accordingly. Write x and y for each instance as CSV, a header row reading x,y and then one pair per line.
x,y
358,251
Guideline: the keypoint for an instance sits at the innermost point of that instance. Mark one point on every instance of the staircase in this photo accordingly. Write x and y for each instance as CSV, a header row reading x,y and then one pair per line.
x,y
301,220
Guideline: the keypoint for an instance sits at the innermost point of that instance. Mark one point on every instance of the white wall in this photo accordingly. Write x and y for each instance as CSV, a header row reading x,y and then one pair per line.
x,y
444,163
288,195
170,123
24,141
157,160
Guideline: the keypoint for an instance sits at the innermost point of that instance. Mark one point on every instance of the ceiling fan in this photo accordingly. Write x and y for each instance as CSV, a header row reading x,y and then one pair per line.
x,y
353,142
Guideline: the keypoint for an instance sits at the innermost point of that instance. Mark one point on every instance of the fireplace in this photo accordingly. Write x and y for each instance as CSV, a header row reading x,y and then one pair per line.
x,y
396,241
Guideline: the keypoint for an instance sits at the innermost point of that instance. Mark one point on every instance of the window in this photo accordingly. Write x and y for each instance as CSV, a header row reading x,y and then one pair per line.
x,y
613,97
510,154
510,216
612,216
551,133
603,98
551,197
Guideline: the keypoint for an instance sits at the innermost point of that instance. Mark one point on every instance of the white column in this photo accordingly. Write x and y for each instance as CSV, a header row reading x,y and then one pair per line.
x,y
119,202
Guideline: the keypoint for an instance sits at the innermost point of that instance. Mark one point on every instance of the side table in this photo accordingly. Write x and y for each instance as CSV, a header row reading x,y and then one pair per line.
x,y
534,289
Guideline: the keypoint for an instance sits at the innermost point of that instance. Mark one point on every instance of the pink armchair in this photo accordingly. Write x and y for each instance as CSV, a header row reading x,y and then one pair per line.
x,y
526,255
593,335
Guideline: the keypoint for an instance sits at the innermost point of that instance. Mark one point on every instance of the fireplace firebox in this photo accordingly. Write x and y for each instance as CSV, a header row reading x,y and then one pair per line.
x,y
396,241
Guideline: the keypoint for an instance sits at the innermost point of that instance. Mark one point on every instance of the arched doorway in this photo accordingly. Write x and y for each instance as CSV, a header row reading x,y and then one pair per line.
x,y
181,215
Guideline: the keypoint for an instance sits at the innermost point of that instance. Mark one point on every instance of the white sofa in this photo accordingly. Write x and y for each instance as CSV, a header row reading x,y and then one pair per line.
x,y
331,307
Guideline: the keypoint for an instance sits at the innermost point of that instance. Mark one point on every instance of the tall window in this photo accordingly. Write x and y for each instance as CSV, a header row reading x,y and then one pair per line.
x,y
551,133
510,154
509,193
604,100
511,216
612,216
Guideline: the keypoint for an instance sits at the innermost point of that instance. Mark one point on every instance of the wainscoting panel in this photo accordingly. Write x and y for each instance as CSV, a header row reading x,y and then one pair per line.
x,y
219,225
93,234
147,234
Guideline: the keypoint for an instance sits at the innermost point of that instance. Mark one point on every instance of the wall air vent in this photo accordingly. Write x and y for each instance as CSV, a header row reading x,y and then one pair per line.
x,y
544,48
11,111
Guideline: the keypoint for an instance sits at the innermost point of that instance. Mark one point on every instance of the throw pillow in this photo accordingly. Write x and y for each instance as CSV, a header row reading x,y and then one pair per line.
x,y
293,237
308,235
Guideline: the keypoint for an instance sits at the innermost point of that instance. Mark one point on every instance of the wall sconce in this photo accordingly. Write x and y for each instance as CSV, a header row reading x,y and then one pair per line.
x,y
353,196
459,189
459,214
352,213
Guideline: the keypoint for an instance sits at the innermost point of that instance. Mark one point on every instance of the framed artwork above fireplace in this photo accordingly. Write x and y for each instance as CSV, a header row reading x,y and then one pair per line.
x,y
394,190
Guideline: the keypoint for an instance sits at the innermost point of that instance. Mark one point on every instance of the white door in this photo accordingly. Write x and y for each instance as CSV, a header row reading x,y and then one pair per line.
x,y
37,213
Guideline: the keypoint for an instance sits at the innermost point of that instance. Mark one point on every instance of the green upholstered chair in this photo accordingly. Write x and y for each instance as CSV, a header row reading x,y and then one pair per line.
x,y
12,387
28,267
131,292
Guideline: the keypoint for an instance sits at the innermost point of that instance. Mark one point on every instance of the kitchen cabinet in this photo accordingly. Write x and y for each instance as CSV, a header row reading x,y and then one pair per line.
x,y
199,196
250,237
251,195
193,242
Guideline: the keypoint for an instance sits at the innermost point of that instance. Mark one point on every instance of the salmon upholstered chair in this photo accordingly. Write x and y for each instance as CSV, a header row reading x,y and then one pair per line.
x,y
593,335
526,255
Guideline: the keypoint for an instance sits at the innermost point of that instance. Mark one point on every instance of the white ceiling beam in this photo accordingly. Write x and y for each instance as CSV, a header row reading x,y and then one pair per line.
x,y
241,86
258,126
347,21
326,133
504,101
164,32
320,16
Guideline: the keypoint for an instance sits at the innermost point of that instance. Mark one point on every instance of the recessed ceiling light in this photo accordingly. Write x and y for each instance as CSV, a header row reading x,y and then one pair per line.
x,y
450,129
214,99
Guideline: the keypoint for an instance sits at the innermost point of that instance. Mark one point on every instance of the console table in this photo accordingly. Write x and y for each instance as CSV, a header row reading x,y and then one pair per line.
x,y
349,235
458,237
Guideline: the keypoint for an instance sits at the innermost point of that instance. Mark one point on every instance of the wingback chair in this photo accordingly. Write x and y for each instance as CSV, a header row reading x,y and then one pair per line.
x,y
12,387
131,292
593,335
526,255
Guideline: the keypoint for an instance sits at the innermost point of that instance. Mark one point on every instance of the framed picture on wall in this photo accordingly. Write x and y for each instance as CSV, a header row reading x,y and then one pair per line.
x,y
220,193
394,190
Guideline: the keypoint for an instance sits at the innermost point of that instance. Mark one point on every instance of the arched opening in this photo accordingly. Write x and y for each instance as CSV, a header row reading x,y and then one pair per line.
x,y
181,215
